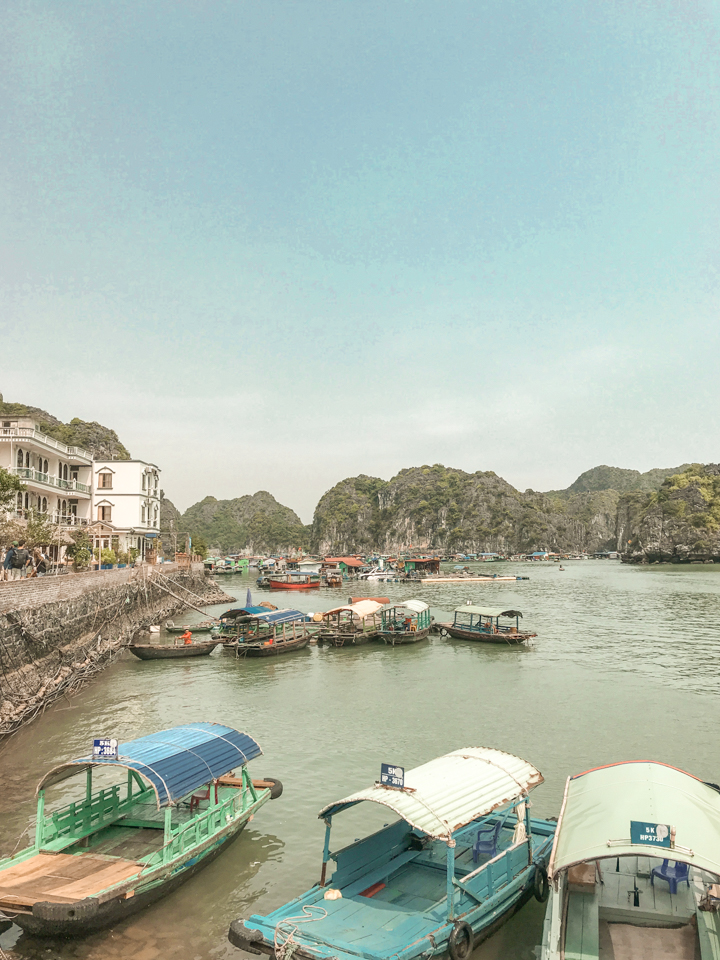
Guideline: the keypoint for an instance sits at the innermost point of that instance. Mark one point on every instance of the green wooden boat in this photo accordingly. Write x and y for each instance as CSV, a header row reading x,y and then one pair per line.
x,y
204,626
100,858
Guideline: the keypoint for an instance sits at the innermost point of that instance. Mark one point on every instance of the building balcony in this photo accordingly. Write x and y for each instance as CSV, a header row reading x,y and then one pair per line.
x,y
63,520
46,479
28,433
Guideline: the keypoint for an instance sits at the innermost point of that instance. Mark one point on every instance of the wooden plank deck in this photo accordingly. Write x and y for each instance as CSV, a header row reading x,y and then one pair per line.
x,y
62,878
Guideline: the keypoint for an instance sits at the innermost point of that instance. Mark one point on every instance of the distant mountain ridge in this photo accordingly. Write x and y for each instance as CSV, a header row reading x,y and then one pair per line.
x,y
622,480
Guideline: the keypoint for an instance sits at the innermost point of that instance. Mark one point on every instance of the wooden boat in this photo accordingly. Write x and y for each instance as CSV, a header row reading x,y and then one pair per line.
x,y
204,626
405,622
158,651
483,624
294,581
256,624
463,857
274,646
350,625
176,806
626,887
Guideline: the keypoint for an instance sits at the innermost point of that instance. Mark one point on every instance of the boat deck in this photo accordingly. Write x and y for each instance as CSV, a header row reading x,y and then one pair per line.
x,y
604,923
83,868
62,878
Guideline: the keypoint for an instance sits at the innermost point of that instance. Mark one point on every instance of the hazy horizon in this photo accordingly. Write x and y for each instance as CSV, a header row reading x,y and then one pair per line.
x,y
276,245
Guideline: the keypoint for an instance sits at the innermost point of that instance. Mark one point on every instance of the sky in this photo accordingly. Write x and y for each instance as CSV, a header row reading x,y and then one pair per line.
x,y
276,244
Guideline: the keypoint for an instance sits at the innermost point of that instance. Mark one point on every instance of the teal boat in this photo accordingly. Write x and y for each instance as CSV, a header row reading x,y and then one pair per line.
x,y
101,858
635,867
464,855
405,622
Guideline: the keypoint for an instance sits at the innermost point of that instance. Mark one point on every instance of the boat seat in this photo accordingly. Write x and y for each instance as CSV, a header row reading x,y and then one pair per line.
x,y
380,873
582,927
677,873
203,795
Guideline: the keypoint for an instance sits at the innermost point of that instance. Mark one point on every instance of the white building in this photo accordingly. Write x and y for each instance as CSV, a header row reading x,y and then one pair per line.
x,y
126,505
58,478
117,500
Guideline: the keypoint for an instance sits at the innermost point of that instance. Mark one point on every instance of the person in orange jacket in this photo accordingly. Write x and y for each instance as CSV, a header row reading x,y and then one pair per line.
x,y
186,637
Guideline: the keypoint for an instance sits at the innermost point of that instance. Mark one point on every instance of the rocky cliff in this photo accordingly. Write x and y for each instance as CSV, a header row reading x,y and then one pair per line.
x,y
257,523
441,508
679,522
101,442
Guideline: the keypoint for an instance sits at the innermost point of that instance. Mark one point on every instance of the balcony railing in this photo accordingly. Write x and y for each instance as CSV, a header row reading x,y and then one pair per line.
x,y
64,520
9,433
27,473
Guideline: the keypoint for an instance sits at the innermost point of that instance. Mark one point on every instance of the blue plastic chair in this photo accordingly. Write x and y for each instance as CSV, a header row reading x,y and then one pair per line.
x,y
487,840
675,874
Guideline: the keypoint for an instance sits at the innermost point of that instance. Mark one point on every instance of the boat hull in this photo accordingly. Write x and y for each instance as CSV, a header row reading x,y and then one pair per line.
x,y
154,651
102,915
283,585
506,639
396,638
345,639
275,649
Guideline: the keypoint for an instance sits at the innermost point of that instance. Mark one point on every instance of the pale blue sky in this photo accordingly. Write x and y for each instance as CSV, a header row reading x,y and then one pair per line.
x,y
275,244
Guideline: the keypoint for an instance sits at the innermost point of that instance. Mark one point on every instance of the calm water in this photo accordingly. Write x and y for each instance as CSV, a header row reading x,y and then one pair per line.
x,y
625,666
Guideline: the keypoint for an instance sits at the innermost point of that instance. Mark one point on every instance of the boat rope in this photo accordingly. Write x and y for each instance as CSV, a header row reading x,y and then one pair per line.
x,y
285,948
181,599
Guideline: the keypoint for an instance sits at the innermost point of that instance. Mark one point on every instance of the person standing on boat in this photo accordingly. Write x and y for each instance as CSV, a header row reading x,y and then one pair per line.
x,y
186,637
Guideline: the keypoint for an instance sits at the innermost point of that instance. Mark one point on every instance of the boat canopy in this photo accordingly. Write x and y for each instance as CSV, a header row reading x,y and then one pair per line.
x,y
599,805
281,616
488,611
445,794
417,606
174,762
361,609
242,612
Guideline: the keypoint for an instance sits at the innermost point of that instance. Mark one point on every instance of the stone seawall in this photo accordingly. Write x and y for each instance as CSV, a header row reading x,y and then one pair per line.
x,y
56,633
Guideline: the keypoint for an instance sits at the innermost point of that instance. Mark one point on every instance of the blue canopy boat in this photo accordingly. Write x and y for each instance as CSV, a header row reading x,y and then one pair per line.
x,y
463,857
100,858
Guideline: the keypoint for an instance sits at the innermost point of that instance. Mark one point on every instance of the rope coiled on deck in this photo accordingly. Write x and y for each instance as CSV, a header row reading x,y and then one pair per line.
x,y
285,948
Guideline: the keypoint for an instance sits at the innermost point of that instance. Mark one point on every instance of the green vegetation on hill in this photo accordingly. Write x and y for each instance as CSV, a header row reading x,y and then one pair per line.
x,y
101,442
257,523
617,478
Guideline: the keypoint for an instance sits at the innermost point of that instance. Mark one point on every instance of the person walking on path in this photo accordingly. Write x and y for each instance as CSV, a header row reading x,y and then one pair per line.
x,y
20,562
7,562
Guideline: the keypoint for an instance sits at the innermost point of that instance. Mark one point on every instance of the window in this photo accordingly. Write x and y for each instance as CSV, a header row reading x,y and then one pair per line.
x,y
105,481
27,459
19,501
45,466
20,458
44,505
105,513
65,472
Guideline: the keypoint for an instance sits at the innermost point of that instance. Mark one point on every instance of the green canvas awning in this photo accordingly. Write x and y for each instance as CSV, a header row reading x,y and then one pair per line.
x,y
599,805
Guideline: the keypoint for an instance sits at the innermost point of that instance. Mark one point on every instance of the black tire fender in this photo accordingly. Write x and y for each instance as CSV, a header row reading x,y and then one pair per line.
x,y
461,941
241,936
443,632
68,912
541,884
276,789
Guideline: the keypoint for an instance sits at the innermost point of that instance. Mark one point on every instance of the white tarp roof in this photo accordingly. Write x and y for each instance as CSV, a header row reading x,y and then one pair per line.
x,y
361,609
417,606
600,804
445,794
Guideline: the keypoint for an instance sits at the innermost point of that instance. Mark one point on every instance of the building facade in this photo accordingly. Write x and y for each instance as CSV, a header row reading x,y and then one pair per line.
x,y
126,501
58,478
117,500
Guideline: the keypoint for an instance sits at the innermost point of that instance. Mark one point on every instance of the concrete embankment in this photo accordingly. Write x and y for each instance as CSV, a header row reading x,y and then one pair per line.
x,y
56,633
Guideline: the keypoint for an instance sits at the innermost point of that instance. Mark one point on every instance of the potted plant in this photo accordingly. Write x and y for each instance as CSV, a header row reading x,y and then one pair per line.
x,y
107,559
